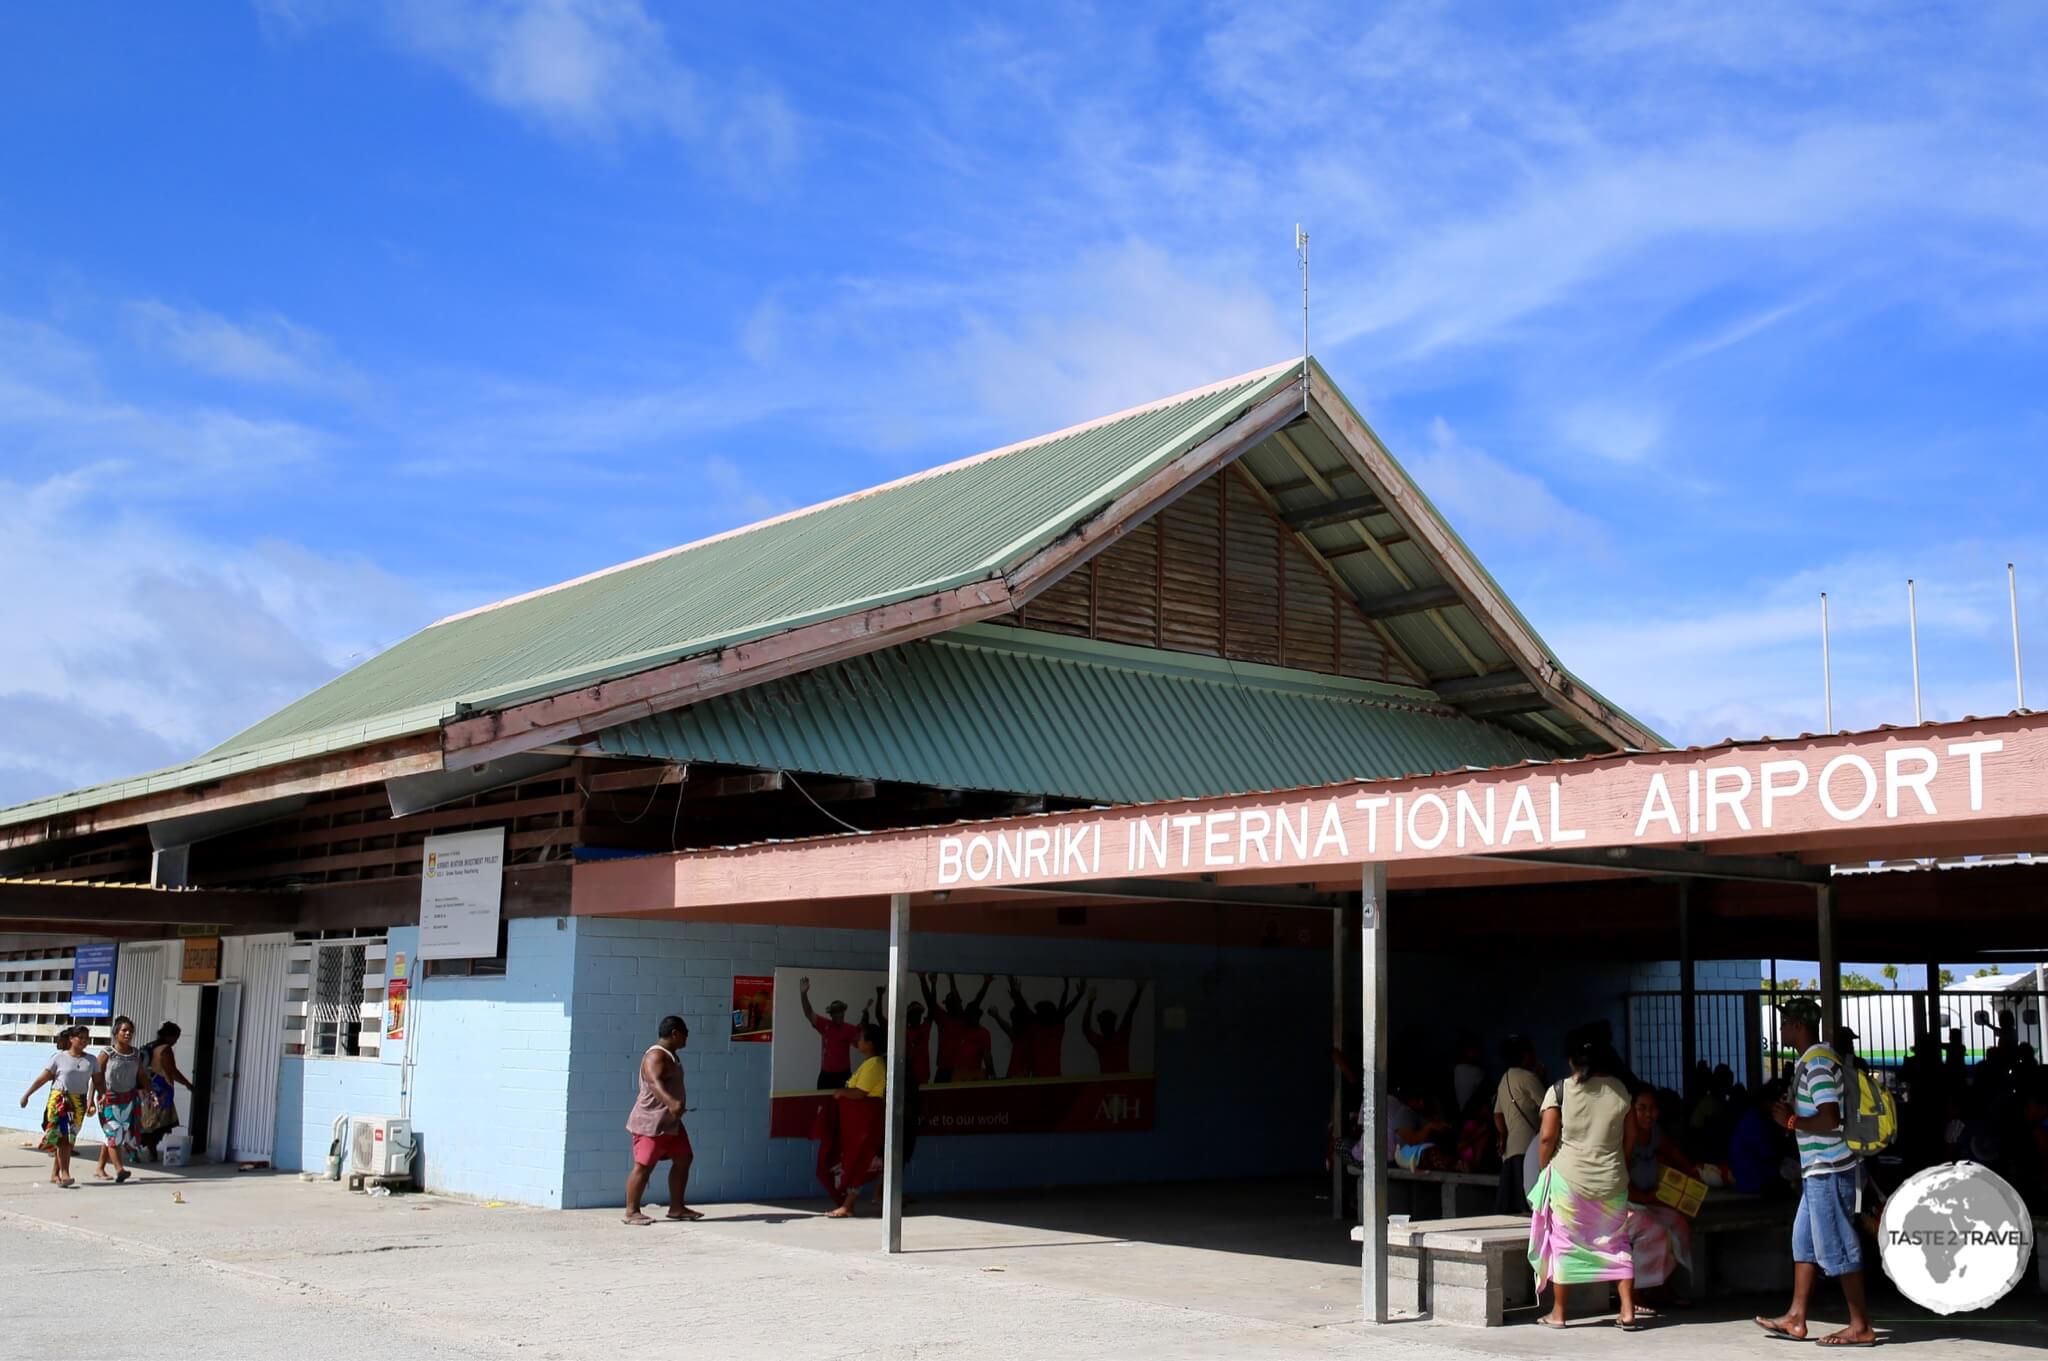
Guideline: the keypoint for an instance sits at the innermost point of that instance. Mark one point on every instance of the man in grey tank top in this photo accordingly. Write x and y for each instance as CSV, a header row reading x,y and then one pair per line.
x,y
656,1123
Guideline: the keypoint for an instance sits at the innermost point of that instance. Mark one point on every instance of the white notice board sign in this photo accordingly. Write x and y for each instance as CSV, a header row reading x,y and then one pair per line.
x,y
462,879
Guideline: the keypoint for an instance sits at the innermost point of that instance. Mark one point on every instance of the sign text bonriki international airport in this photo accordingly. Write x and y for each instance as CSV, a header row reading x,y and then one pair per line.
x,y
1599,804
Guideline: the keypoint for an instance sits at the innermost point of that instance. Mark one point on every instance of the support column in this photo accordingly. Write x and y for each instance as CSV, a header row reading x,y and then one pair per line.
x,y
896,1120
1830,965
1688,991
1927,1016
1336,1073
1372,1074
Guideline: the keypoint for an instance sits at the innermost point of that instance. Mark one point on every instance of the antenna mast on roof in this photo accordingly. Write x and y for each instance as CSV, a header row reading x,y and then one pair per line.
x,y
1301,255
1827,671
2019,675
1913,631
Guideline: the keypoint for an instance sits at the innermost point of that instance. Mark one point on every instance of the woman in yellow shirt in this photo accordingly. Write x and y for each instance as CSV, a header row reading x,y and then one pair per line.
x,y
861,1114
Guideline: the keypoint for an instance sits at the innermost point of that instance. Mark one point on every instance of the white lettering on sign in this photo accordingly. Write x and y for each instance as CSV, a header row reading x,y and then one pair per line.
x,y
1722,796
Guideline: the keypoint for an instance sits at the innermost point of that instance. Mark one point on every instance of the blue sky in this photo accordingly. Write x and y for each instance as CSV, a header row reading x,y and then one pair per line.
x,y
318,320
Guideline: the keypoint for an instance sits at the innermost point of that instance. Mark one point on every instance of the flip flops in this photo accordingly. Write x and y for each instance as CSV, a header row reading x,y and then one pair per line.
x,y
636,1220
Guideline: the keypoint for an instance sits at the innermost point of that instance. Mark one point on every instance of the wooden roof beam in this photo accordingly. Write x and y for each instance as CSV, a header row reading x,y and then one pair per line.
x,y
1493,685
1409,602
1334,512
135,904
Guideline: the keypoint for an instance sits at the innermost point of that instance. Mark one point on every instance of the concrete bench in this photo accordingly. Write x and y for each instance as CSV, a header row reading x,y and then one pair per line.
x,y
1469,1271
1741,1243
1461,1192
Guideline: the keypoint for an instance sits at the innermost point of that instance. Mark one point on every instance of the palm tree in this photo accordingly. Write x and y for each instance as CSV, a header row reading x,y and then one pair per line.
x,y
1891,975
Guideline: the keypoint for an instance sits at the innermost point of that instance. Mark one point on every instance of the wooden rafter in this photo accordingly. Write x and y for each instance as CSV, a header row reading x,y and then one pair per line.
x,y
1379,551
1371,461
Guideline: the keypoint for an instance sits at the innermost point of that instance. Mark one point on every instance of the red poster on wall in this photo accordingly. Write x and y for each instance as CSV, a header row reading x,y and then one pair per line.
x,y
990,1054
753,1009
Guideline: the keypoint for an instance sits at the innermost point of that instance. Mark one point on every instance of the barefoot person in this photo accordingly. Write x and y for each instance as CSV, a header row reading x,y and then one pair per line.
x,y
1578,1234
73,1077
120,1065
1824,1238
656,1124
862,1117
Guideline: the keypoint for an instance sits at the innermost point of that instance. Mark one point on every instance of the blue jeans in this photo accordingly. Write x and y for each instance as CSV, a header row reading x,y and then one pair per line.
x,y
1824,1230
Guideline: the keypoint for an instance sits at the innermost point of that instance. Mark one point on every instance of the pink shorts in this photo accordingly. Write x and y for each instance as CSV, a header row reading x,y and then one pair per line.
x,y
649,1149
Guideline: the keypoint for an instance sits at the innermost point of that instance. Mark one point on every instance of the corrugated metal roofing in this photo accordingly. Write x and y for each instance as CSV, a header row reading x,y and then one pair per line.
x,y
946,527
924,534
1009,710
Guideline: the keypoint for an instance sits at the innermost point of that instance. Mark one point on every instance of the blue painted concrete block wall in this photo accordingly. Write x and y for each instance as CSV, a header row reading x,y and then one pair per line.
x,y
489,1081
1229,1100
19,1064
490,1089
313,1093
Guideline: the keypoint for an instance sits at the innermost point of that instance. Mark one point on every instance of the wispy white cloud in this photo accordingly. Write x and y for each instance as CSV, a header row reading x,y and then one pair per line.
x,y
1493,503
269,349
1739,657
1618,431
142,644
58,411
593,70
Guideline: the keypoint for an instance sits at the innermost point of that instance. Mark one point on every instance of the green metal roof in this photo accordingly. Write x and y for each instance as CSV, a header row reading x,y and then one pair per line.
x,y
1005,709
964,522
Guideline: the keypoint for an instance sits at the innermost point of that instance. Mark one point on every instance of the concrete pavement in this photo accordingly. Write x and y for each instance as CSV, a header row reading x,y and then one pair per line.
x,y
249,1260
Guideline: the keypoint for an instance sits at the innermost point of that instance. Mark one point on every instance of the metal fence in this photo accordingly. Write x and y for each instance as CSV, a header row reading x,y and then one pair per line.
x,y
1741,1028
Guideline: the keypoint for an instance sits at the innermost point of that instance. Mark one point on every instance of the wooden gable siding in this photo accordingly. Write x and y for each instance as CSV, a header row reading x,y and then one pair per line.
x,y
1217,573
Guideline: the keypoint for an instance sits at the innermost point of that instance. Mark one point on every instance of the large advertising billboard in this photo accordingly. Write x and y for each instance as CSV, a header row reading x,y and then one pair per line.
x,y
990,1053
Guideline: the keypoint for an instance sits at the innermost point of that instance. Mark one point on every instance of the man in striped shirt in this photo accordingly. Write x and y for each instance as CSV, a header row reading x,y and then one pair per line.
x,y
1824,1238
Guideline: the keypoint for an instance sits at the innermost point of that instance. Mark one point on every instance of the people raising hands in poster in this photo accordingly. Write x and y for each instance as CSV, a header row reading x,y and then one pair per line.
x,y
836,1038
1048,1025
965,1047
1109,1037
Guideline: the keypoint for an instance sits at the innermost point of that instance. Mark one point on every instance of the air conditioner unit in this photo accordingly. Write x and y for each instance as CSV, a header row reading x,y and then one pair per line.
x,y
379,1146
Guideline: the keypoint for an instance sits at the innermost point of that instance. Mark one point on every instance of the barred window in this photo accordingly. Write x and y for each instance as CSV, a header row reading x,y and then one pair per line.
x,y
334,998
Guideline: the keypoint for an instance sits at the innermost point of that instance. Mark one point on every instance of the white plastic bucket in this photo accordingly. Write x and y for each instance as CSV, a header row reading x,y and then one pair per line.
x,y
176,1148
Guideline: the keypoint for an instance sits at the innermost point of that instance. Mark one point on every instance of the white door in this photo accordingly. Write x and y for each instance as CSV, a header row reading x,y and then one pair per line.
x,y
253,1131
220,1092
181,1007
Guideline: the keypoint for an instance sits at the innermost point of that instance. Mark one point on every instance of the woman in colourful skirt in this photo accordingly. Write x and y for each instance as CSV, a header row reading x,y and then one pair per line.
x,y
120,1100
72,1076
1660,1235
1578,1230
157,1113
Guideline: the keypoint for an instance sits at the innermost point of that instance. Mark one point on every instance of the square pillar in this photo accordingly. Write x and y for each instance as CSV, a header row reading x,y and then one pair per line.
x,y
895,1119
1830,965
1688,989
1372,1181
1336,1072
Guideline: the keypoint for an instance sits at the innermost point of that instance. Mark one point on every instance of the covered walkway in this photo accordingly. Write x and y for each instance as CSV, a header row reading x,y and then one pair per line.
x,y
1777,814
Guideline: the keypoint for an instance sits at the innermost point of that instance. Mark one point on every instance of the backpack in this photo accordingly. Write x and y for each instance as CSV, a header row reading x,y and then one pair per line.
x,y
1870,1119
